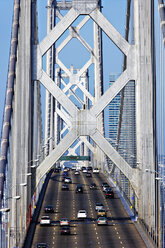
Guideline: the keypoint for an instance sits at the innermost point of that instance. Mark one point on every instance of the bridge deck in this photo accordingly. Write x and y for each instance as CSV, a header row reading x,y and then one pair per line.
x,y
120,231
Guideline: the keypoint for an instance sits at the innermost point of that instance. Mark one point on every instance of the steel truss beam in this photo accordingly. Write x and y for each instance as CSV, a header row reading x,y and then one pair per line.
x,y
84,122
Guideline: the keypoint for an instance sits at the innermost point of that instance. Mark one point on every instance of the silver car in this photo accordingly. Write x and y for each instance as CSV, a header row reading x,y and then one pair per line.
x,y
102,221
99,206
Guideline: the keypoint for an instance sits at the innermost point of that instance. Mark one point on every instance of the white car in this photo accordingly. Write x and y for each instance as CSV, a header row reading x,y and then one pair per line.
x,y
95,170
64,222
82,214
68,180
45,220
77,172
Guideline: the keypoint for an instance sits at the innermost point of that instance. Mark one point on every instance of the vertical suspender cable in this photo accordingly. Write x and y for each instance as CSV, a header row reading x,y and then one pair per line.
x,y
9,96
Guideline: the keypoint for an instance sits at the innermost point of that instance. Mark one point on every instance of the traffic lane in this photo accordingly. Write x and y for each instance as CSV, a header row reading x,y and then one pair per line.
x,y
106,235
122,222
44,233
63,210
86,235
78,228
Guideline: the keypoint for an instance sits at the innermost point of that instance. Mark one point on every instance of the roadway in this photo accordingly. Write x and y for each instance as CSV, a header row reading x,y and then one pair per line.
x,y
119,233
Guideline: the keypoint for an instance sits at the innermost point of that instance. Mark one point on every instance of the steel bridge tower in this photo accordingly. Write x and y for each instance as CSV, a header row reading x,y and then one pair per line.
x,y
73,124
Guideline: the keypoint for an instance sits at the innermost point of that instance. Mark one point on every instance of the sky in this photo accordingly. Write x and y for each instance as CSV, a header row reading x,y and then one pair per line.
x,y
6,13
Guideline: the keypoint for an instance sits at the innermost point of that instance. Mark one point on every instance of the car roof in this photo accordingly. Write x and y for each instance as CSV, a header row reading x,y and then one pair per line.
x,y
65,227
99,204
45,217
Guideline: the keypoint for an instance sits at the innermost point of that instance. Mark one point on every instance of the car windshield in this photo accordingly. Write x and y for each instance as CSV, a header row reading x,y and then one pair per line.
x,y
99,204
41,246
101,218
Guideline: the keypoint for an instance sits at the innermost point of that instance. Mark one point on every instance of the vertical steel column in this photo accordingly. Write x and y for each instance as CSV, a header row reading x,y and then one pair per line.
x,y
49,107
100,158
145,115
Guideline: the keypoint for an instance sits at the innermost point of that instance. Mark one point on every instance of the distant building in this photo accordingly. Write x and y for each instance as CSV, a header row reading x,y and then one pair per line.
x,y
114,111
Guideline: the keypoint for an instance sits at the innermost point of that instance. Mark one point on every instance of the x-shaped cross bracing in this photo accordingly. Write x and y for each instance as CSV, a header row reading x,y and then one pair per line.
x,y
84,122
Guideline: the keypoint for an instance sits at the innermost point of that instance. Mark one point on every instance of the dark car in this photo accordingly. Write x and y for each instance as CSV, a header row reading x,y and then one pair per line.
x,y
41,245
65,187
65,174
109,194
88,174
56,170
92,186
89,168
65,230
104,184
49,209
79,188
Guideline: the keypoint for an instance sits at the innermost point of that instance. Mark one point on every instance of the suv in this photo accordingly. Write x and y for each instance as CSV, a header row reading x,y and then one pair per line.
x,y
79,188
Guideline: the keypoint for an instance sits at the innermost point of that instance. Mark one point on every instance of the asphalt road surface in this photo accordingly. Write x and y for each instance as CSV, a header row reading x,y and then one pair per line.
x,y
119,233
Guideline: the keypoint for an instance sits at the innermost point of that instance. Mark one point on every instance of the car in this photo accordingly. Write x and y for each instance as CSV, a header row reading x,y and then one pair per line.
x,y
65,187
101,212
64,222
65,174
49,209
82,214
77,172
41,245
106,188
92,186
84,170
79,188
88,174
99,206
65,230
45,220
104,184
102,221
68,180
109,194
96,170
89,168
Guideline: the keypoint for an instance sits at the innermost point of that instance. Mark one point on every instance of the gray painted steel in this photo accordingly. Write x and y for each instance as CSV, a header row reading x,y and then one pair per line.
x,y
9,97
26,133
